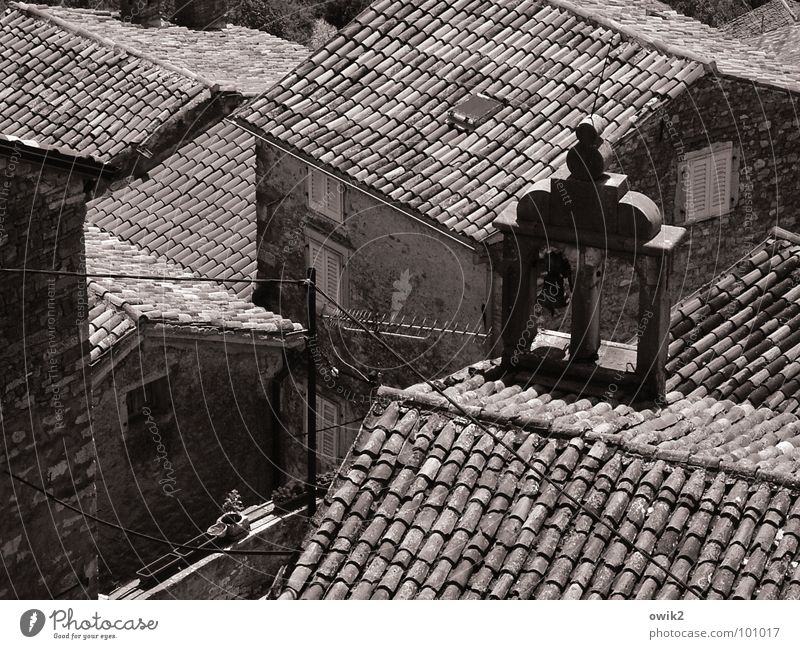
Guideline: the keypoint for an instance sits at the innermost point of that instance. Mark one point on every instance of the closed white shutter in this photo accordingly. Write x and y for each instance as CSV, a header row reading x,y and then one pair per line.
x,y
697,188
708,182
324,194
720,185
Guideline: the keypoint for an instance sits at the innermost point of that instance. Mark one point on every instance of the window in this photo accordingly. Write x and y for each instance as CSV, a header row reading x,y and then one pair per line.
x,y
333,439
325,194
706,183
473,111
152,397
329,261
329,435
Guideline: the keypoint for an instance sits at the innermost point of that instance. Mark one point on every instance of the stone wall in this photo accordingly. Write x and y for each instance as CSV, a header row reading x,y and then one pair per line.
x,y
47,550
165,471
762,126
446,280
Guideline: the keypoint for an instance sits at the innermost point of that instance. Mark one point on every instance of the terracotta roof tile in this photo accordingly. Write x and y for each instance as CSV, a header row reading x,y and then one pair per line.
x,y
64,88
120,306
375,103
768,17
781,43
736,338
707,484
724,536
215,237
247,60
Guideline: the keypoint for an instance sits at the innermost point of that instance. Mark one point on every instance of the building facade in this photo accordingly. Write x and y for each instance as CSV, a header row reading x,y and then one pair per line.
x,y
43,325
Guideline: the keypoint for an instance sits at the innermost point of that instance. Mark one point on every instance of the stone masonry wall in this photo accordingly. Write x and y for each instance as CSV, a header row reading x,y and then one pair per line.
x,y
166,471
761,123
445,280
46,550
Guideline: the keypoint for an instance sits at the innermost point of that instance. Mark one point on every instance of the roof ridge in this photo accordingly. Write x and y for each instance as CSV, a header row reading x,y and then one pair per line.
x,y
684,458
107,42
594,18
679,457
166,23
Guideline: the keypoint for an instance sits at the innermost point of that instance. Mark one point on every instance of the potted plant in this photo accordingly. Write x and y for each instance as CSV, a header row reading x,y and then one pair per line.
x,y
233,523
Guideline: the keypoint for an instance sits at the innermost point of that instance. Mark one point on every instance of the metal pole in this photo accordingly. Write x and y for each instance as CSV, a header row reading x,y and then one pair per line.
x,y
311,391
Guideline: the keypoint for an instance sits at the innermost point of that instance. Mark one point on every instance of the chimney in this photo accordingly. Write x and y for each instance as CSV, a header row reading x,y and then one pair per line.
x,y
146,13
204,15
593,213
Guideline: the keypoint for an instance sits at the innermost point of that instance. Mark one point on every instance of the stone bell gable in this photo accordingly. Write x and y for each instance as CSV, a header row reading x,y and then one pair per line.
x,y
594,215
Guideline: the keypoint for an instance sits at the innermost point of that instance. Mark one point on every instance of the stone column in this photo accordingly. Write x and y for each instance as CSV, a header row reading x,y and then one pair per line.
x,y
585,335
519,295
653,326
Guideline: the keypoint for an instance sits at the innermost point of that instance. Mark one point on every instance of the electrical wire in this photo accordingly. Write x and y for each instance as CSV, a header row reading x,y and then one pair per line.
x,y
161,278
354,372
142,535
498,440
344,423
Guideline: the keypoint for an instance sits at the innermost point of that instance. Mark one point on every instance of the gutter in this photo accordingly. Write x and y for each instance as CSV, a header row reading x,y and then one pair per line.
x,y
345,181
248,338
30,151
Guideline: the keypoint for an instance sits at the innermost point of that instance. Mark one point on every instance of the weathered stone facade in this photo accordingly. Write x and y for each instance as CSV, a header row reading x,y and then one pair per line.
x,y
447,282
761,123
165,469
47,550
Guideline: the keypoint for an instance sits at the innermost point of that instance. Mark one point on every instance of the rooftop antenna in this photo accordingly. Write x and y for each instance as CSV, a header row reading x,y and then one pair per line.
x,y
603,73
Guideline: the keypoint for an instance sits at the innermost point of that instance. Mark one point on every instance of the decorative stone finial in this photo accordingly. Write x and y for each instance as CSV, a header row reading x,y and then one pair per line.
x,y
587,159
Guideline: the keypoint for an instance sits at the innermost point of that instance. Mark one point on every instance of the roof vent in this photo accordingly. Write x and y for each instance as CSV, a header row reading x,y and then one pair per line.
x,y
473,111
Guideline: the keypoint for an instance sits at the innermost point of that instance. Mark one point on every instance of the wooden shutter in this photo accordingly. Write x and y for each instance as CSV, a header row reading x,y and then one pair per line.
x,y
708,180
329,266
327,416
720,185
324,194
697,188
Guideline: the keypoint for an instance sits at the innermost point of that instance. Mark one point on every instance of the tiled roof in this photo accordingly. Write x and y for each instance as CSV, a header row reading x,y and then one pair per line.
x,y
61,87
246,60
196,209
430,506
783,43
127,303
739,337
769,16
373,103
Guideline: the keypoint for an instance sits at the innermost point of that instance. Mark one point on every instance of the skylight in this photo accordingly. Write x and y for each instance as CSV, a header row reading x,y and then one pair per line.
x,y
473,111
